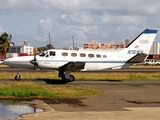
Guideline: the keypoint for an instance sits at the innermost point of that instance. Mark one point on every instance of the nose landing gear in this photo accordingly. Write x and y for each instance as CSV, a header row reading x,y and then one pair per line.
x,y
18,76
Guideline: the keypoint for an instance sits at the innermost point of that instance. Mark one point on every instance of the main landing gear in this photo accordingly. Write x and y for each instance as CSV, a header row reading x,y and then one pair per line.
x,y
67,77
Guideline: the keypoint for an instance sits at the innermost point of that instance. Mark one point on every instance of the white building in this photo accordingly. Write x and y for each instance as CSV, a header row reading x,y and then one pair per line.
x,y
26,48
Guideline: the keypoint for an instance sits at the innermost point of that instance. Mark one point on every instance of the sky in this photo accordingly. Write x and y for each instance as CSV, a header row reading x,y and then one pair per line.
x,y
86,20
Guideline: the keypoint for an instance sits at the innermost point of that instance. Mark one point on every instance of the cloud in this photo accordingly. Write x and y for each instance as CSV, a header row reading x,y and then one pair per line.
x,y
125,7
16,33
60,33
45,25
77,19
20,5
137,7
86,20
1,30
123,20
67,5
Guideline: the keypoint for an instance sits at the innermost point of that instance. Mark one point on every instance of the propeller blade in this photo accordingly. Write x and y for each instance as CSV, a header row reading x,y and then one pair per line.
x,y
34,62
35,57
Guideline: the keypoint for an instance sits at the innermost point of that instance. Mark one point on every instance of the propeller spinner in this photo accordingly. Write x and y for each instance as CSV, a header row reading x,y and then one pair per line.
x,y
34,62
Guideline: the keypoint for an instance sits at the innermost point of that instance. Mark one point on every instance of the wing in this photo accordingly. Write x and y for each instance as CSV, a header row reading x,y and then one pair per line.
x,y
73,66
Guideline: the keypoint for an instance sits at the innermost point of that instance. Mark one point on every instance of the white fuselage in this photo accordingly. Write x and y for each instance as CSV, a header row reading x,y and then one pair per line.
x,y
94,60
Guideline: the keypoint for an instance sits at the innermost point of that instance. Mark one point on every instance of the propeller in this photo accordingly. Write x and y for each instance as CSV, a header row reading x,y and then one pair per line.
x,y
34,62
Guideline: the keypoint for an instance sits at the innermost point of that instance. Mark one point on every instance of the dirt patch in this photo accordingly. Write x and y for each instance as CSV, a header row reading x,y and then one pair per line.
x,y
71,101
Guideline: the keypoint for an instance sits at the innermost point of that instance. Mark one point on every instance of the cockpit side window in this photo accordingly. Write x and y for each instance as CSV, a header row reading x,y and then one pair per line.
x,y
52,53
42,54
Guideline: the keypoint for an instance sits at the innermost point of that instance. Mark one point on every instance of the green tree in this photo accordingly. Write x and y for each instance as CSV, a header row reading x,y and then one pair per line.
x,y
5,43
49,46
40,49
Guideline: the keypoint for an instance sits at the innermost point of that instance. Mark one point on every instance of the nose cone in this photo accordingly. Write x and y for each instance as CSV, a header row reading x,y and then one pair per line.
x,y
7,62
1,61
19,62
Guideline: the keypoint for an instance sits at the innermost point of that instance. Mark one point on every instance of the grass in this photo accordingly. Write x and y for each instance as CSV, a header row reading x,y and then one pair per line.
x,y
84,75
28,90
33,75
29,75
118,76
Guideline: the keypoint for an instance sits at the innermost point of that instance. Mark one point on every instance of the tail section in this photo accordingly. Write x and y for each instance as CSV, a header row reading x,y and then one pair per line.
x,y
141,44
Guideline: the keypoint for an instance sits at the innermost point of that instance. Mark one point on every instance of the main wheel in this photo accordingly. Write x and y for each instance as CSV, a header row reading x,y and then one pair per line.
x,y
71,78
17,77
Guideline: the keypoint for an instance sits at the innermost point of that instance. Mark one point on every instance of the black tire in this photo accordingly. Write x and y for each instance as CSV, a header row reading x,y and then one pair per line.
x,y
71,78
18,77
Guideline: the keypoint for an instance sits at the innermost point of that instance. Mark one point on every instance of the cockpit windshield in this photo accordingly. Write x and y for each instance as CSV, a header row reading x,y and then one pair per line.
x,y
42,54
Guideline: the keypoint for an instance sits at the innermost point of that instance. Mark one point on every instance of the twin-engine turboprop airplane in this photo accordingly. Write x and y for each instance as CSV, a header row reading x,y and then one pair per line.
x,y
67,61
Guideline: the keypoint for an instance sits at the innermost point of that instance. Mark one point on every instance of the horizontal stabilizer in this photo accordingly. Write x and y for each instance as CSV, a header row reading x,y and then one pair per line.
x,y
140,57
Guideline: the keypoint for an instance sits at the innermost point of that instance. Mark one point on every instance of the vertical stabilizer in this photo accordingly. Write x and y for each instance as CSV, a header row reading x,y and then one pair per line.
x,y
141,44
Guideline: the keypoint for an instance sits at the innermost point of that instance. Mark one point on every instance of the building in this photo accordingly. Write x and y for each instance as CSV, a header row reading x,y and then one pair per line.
x,y
92,45
24,50
154,53
95,45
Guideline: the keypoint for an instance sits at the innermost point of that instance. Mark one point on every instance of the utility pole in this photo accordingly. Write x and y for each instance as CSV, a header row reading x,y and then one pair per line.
x,y
73,41
49,41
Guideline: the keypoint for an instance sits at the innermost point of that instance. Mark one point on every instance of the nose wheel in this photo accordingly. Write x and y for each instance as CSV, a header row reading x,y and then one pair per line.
x,y
18,77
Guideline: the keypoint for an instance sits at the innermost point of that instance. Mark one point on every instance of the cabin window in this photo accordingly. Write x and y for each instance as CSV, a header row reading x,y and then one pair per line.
x,y
104,56
90,55
42,54
64,54
98,56
73,54
52,53
82,55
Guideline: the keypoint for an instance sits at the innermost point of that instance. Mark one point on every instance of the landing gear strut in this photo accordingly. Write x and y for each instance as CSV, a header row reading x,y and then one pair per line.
x,y
67,77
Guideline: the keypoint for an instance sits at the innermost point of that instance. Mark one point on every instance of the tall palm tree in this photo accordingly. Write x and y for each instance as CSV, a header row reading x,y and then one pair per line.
x,y
5,43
